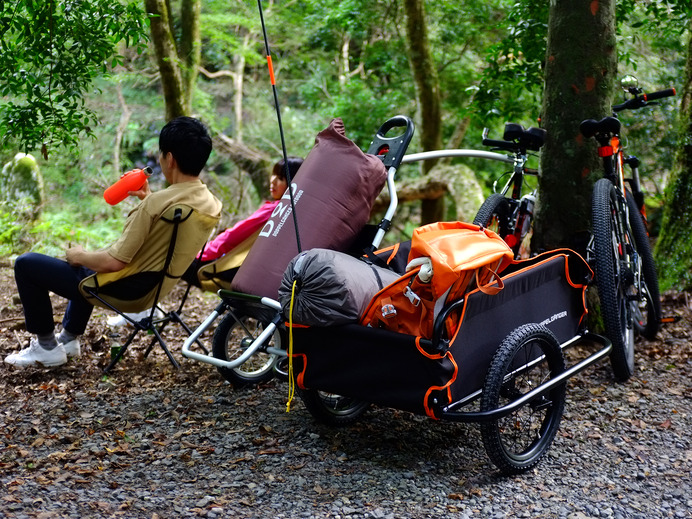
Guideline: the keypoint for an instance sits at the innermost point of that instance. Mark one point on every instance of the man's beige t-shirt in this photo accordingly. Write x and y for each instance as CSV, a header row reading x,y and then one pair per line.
x,y
141,219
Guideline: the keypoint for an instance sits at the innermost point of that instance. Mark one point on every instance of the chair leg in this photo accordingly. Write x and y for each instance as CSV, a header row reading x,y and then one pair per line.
x,y
162,343
121,351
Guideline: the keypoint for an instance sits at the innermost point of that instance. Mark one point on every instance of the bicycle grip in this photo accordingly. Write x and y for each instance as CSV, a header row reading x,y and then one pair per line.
x,y
498,144
668,92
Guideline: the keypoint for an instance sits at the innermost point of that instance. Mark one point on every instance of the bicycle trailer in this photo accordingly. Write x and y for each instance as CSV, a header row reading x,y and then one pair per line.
x,y
502,367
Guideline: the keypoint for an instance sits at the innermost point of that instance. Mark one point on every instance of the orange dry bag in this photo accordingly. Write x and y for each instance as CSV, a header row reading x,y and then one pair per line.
x,y
445,258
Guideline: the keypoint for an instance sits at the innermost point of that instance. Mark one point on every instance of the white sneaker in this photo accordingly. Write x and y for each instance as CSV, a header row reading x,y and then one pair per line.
x,y
117,321
72,348
35,355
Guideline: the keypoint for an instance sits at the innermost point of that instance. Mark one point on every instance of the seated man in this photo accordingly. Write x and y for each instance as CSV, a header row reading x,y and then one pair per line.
x,y
227,240
185,146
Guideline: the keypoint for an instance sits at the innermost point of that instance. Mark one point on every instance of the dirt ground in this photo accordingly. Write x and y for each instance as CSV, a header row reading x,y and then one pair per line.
x,y
99,338
152,441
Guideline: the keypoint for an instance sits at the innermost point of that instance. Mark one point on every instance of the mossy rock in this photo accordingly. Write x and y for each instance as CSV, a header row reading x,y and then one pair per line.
x,y
21,187
465,195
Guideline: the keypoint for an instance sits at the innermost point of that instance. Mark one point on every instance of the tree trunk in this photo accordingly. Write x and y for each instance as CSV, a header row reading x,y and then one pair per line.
x,y
581,62
166,58
238,81
190,48
255,163
428,91
673,251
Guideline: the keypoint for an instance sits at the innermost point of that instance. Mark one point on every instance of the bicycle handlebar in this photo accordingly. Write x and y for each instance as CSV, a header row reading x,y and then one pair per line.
x,y
517,139
505,145
643,100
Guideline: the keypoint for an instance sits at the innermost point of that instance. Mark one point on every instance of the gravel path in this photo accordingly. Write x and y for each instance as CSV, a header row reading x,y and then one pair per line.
x,y
150,442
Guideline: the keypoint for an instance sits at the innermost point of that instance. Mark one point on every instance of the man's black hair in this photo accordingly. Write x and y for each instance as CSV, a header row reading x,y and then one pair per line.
x,y
189,142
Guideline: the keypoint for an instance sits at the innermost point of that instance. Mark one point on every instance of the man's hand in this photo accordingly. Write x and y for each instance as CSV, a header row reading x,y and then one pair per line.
x,y
142,193
99,261
73,254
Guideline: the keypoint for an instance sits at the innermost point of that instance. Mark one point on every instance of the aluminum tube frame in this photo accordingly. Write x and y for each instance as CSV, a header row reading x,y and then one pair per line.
x,y
393,203
472,154
249,352
449,414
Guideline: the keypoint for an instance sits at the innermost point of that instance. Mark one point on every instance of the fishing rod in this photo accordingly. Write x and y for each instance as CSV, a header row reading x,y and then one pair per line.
x,y
281,129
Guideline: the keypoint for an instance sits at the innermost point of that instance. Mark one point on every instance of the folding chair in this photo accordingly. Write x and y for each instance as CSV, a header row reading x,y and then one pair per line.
x,y
151,275
219,273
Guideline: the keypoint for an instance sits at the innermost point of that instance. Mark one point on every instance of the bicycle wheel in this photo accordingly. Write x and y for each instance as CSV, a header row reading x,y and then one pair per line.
x,y
614,277
331,409
527,358
232,337
647,313
494,214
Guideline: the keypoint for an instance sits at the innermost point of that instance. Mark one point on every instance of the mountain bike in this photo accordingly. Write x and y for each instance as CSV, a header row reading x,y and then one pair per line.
x,y
619,250
508,212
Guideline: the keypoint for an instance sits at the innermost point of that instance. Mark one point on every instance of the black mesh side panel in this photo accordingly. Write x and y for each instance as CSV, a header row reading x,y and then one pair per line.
x,y
538,294
132,287
378,366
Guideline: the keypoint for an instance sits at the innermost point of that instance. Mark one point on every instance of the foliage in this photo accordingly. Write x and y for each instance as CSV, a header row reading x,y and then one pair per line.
x,y
57,231
50,52
512,82
10,231
332,58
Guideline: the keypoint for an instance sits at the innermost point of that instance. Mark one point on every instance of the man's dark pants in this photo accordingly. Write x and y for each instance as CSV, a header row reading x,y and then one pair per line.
x,y
36,276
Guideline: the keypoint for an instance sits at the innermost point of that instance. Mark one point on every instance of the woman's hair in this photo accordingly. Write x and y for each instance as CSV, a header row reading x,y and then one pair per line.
x,y
279,169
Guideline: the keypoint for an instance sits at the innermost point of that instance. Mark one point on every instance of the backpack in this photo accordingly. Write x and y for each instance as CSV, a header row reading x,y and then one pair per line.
x,y
445,259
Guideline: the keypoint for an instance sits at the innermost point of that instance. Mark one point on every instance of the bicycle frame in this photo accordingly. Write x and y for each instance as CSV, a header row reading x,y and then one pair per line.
x,y
611,152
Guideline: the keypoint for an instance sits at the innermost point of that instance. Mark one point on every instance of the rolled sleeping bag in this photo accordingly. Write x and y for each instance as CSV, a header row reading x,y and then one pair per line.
x,y
333,193
332,287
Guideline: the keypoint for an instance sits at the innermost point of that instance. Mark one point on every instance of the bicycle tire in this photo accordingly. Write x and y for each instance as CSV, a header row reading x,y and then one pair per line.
x,y
232,337
332,409
494,214
646,320
528,357
609,243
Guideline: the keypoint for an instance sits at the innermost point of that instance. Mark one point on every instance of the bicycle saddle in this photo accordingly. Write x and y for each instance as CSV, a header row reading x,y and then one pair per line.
x,y
531,139
607,125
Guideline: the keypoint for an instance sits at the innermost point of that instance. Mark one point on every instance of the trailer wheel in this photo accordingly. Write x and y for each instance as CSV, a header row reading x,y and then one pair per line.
x,y
528,357
332,409
232,337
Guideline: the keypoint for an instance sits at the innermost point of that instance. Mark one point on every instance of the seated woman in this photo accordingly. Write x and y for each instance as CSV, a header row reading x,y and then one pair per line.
x,y
227,240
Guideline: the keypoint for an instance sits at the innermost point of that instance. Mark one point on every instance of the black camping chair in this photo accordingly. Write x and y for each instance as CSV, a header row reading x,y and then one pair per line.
x,y
151,275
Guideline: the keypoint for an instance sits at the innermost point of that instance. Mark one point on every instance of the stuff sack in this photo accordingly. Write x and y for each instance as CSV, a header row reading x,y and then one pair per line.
x,y
333,193
445,258
331,287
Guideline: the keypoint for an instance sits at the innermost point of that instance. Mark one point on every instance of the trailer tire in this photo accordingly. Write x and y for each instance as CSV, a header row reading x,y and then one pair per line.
x,y
516,443
332,409
232,337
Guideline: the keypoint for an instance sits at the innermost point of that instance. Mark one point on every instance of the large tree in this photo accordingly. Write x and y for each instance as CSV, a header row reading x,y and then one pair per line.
x,y
50,54
178,60
674,248
580,65
428,93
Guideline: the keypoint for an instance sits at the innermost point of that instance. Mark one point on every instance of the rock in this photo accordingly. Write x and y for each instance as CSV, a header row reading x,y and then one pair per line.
x,y
21,187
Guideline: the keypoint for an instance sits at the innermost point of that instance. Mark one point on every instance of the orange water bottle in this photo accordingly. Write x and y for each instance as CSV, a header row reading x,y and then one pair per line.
x,y
133,180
